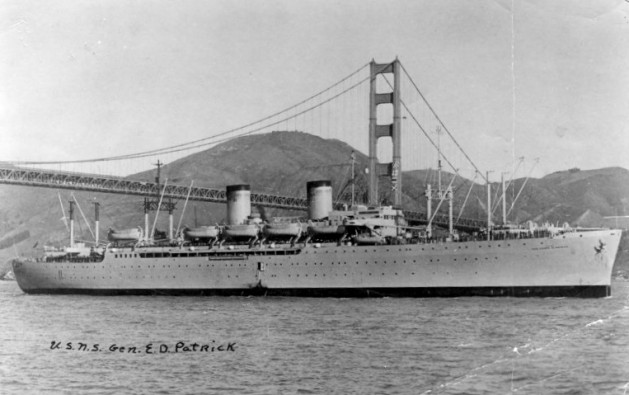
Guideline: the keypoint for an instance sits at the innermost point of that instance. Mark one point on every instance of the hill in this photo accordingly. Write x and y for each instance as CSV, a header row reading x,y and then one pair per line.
x,y
281,163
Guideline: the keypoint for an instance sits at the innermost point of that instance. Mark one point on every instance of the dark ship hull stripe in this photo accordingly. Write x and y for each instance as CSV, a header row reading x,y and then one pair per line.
x,y
590,291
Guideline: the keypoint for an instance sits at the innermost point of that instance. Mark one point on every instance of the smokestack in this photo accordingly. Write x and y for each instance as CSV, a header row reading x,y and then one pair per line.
x,y
170,222
97,221
71,224
147,230
319,199
238,203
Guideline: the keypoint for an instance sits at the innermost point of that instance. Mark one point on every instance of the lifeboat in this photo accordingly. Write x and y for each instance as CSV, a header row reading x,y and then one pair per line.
x,y
125,235
282,229
246,230
368,239
202,233
326,230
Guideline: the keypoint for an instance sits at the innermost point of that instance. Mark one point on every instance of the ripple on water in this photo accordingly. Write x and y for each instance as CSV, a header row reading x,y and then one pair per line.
x,y
307,345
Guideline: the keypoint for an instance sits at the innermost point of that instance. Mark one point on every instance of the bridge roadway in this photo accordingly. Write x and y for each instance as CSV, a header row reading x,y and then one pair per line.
x,y
118,185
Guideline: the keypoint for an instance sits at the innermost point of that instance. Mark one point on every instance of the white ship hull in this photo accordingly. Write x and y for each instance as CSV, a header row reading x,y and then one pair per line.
x,y
575,264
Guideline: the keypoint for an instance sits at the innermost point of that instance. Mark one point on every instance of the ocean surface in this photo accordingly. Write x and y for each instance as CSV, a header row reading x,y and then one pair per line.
x,y
268,345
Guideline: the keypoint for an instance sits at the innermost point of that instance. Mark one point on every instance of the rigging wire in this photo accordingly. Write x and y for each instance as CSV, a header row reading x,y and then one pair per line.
x,y
443,197
83,215
466,197
522,187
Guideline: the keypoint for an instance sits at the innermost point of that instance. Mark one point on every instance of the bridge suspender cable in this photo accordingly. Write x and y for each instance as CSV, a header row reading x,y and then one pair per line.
x,y
194,144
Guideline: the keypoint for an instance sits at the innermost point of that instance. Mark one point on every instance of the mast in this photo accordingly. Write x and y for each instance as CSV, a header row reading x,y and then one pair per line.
x,y
429,210
439,158
450,210
504,200
353,175
488,208
159,167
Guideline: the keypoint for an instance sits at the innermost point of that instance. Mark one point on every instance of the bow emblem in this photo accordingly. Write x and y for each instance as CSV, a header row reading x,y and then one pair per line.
x,y
600,248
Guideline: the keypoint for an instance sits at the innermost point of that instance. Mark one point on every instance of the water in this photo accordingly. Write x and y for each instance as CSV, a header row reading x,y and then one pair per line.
x,y
314,346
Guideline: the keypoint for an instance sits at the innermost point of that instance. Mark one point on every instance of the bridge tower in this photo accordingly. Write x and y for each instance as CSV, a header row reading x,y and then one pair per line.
x,y
393,130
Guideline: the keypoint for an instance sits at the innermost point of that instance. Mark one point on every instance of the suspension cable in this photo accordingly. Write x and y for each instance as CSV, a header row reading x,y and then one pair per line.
x,y
441,122
178,148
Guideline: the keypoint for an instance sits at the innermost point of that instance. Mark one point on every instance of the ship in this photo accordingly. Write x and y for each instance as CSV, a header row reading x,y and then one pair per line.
x,y
358,251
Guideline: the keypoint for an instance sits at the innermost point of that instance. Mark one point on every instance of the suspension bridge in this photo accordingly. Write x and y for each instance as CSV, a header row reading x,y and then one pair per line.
x,y
377,109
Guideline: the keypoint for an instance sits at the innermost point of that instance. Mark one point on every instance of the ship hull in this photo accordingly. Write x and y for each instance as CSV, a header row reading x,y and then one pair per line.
x,y
577,265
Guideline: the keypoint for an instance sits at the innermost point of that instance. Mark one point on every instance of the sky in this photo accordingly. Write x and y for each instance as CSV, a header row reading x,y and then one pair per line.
x,y
534,79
